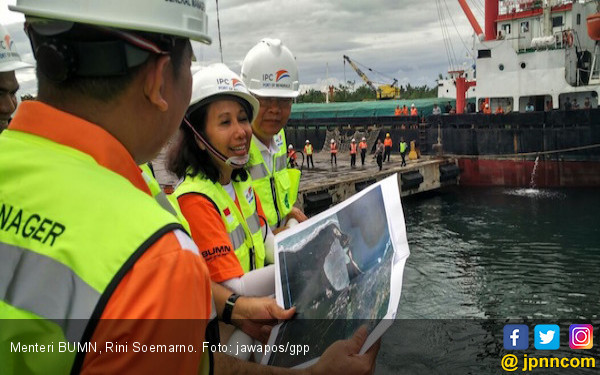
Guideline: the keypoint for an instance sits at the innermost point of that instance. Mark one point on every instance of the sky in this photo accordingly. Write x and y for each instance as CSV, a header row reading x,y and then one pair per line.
x,y
400,39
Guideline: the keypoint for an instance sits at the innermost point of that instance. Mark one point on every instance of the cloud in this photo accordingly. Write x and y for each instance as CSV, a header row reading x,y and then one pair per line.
x,y
400,39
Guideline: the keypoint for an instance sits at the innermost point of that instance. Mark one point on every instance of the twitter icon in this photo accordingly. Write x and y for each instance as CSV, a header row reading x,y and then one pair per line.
x,y
547,337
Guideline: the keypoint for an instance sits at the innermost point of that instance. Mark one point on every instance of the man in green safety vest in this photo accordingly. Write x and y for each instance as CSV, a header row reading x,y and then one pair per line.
x,y
270,72
91,267
403,148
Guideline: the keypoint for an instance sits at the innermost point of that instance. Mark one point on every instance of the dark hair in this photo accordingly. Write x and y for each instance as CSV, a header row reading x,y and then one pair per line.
x,y
100,88
186,158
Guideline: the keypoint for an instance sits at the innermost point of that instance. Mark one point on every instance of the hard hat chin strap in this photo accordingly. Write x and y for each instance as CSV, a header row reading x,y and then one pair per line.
x,y
234,161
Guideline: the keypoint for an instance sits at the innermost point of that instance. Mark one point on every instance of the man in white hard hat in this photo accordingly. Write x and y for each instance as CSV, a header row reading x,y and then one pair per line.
x,y
91,257
292,156
270,72
10,60
308,151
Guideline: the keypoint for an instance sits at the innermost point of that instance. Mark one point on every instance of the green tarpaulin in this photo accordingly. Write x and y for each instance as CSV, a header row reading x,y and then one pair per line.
x,y
364,109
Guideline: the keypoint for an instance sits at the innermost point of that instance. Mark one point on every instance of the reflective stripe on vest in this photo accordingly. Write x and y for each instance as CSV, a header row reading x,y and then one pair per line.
x,y
64,252
243,228
273,189
39,284
170,205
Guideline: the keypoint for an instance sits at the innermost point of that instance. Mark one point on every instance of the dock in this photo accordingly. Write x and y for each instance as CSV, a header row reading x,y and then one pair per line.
x,y
327,185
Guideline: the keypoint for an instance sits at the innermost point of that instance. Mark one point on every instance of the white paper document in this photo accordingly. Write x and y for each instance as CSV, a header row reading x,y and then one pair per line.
x,y
341,269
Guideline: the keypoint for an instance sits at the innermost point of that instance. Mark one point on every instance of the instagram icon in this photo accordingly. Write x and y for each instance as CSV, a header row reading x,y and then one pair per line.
x,y
581,336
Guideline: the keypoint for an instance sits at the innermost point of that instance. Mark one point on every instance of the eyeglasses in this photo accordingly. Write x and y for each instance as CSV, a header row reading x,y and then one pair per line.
x,y
273,101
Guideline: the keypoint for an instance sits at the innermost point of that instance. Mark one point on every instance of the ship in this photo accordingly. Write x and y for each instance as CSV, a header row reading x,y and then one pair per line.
x,y
530,101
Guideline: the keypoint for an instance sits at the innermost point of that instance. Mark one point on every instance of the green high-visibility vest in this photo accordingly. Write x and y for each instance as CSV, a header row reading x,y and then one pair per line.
x,y
168,202
70,230
243,228
277,189
403,146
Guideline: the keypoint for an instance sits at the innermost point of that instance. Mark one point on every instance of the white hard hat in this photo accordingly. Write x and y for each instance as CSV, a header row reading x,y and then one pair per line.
x,y
412,105
270,70
185,19
332,141
307,141
363,139
290,147
218,79
9,57
353,140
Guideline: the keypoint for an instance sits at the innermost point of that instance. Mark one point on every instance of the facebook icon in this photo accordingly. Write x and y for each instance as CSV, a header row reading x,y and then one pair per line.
x,y
516,336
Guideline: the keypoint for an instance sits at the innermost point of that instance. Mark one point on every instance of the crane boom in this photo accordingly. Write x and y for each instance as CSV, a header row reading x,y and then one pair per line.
x,y
360,73
382,92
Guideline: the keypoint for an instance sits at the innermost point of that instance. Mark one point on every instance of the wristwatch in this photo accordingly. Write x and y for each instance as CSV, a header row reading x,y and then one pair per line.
x,y
226,316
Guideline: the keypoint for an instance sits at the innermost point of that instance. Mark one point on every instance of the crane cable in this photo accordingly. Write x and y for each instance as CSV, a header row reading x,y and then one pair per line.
x,y
219,29
459,36
445,36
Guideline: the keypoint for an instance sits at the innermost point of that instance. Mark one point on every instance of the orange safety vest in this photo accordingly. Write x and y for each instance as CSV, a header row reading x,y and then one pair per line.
x,y
387,142
362,145
405,111
352,148
397,112
333,148
413,111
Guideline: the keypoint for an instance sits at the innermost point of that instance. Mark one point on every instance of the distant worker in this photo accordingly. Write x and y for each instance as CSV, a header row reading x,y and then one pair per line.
x,y
276,186
379,153
333,148
308,151
404,110
436,110
353,149
499,110
398,111
586,103
403,148
448,107
9,62
387,143
548,106
486,109
508,107
413,110
529,107
574,105
363,150
567,104
292,157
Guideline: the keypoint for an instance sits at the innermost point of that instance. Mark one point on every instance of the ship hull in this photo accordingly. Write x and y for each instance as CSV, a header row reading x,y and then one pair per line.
x,y
493,150
520,173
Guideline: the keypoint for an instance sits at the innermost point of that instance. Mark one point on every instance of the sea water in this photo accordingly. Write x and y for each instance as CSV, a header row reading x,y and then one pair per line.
x,y
485,257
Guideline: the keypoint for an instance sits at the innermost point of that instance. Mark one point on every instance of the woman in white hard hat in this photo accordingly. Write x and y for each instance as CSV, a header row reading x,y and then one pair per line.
x,y
215,195
271,75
